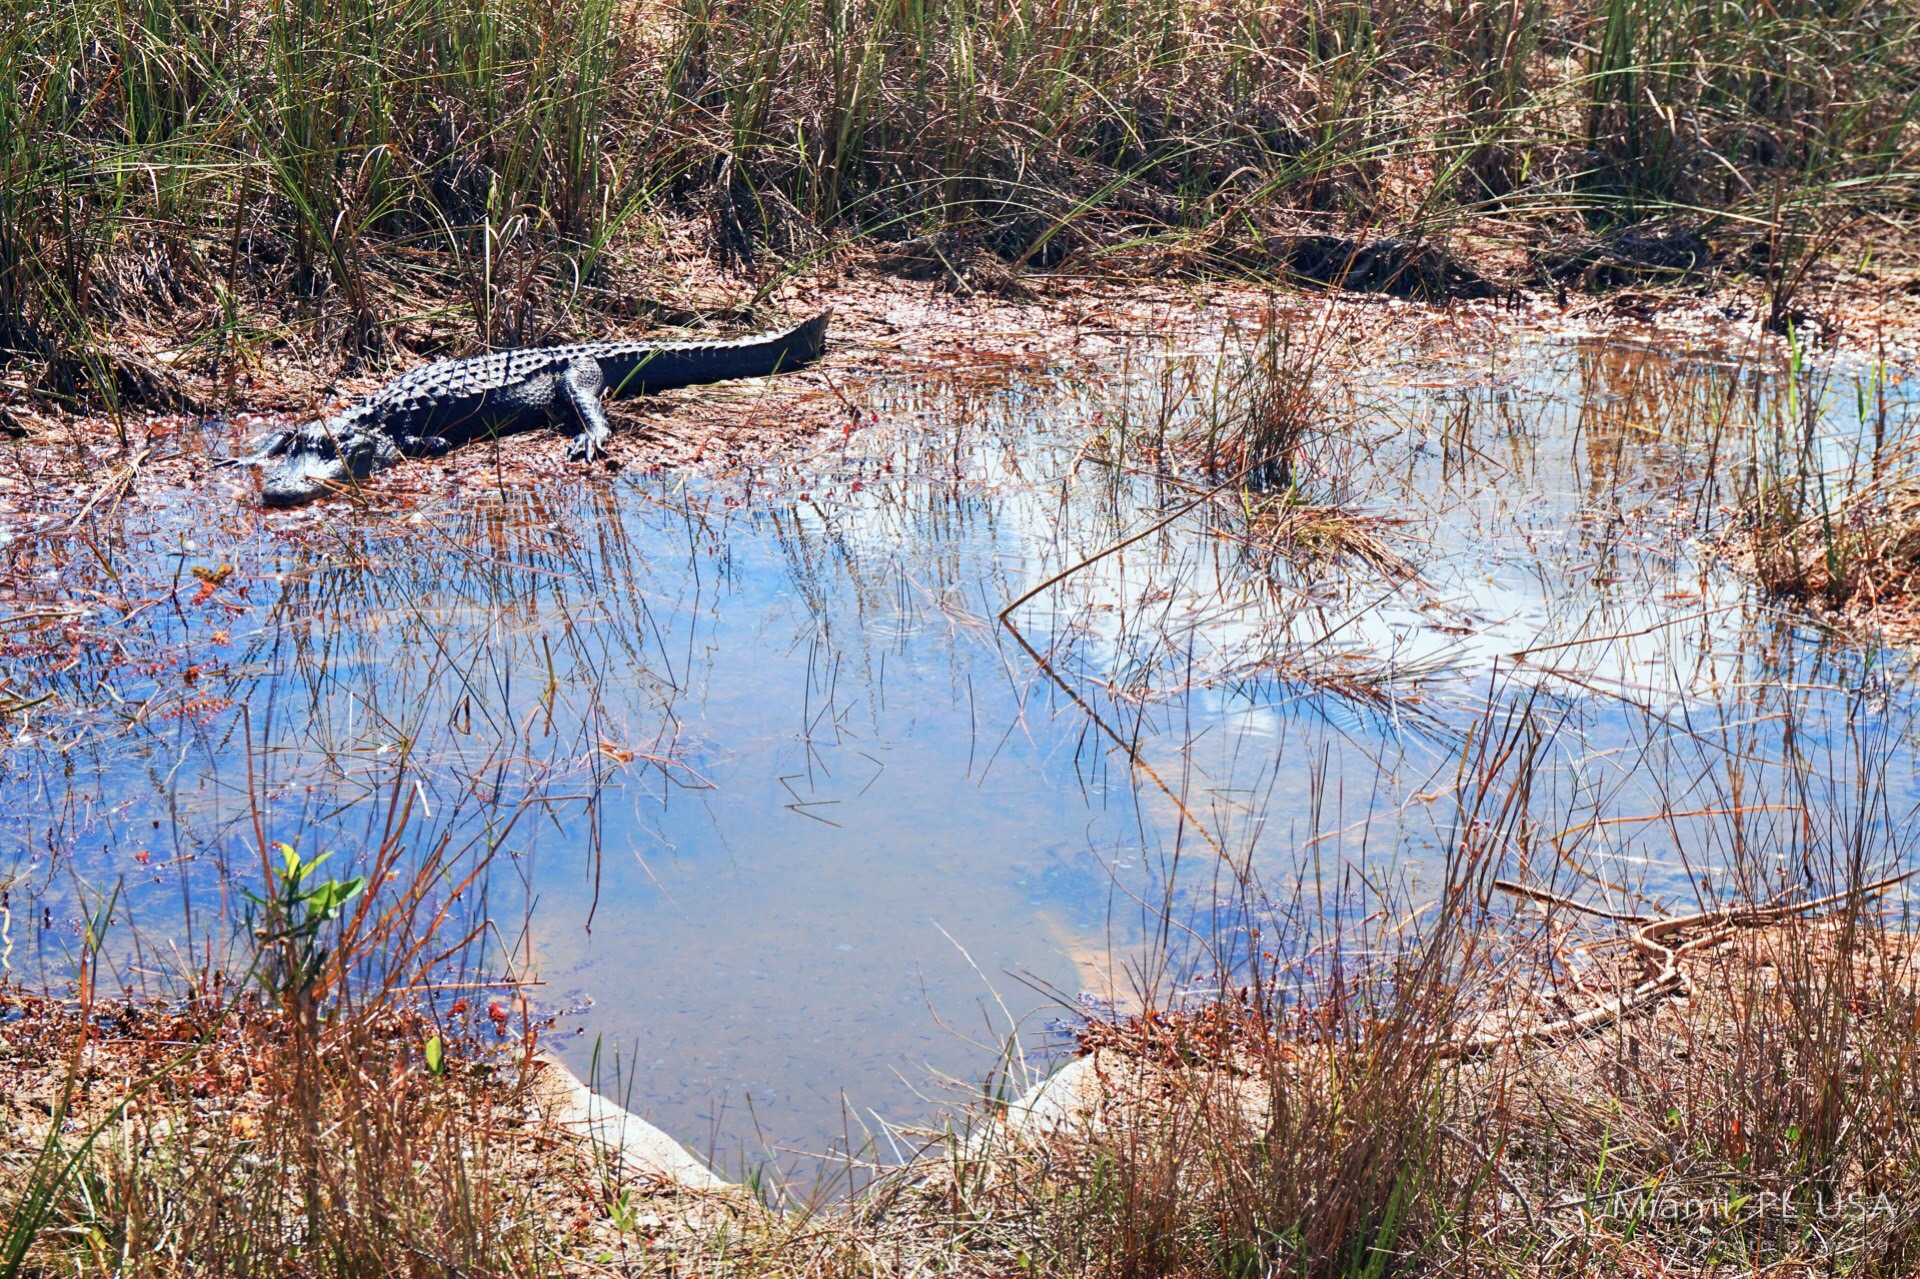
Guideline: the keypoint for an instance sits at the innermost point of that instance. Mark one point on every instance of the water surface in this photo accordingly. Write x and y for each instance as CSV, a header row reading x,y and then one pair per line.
x,y
786,821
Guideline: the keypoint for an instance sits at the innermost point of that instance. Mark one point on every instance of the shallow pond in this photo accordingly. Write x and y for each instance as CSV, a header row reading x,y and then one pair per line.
x,y
790,826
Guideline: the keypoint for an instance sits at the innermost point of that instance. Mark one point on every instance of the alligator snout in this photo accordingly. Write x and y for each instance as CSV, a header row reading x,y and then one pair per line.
x,y
320,459
294,479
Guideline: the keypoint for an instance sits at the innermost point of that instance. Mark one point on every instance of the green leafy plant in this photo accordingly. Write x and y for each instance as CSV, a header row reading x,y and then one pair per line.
x,y
292,919
624,1215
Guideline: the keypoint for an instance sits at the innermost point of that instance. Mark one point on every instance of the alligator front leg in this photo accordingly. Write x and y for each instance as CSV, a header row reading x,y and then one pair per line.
x,y
268,448
576,409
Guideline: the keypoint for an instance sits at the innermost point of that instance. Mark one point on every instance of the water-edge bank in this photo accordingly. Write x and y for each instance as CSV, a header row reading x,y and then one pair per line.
x,y
1171,1112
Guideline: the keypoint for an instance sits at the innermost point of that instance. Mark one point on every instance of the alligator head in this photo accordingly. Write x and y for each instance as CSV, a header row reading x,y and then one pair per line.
x,y
322,457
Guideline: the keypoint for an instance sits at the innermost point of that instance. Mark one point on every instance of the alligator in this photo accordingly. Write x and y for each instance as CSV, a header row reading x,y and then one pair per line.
x,y
443,405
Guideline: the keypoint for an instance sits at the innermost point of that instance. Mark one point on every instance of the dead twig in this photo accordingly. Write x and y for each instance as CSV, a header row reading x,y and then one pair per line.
x,y
1125,542
1647,938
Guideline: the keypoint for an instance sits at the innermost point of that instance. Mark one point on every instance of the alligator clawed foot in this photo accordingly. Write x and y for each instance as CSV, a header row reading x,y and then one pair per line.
x,y
425,445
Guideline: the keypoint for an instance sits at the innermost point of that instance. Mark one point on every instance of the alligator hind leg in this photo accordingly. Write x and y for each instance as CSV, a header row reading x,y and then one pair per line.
x,y
577,411
424,445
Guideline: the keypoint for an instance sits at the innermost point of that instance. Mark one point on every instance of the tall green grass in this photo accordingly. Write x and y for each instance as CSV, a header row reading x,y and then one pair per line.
x,y
340,166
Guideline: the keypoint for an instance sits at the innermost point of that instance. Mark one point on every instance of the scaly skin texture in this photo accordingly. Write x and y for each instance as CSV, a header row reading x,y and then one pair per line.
x,y
443,405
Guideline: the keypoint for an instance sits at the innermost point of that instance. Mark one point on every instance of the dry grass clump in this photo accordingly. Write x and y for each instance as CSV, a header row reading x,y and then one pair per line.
x,y
1240,413
1236,427
1834,523
1243,1157
1294,1124
1298,531
1766,1120
205,1138
1263,406
1769,1119
317,1114
1864,554
173,1138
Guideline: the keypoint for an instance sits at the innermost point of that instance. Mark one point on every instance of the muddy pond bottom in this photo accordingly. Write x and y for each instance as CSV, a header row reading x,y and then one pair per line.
x,y
797,840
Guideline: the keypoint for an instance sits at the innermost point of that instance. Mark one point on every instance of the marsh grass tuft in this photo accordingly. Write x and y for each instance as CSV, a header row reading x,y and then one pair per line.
x,y
1243,420
1835,526
1859,549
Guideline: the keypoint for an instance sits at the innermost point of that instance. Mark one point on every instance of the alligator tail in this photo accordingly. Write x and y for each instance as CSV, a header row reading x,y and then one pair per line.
x,y
645,367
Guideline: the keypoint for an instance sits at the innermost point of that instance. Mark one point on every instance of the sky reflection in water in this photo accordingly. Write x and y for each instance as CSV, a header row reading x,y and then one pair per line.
x,y
797,829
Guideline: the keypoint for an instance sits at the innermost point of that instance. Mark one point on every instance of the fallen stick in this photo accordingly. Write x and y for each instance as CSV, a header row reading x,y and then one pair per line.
x,y
1646,938
1125,542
